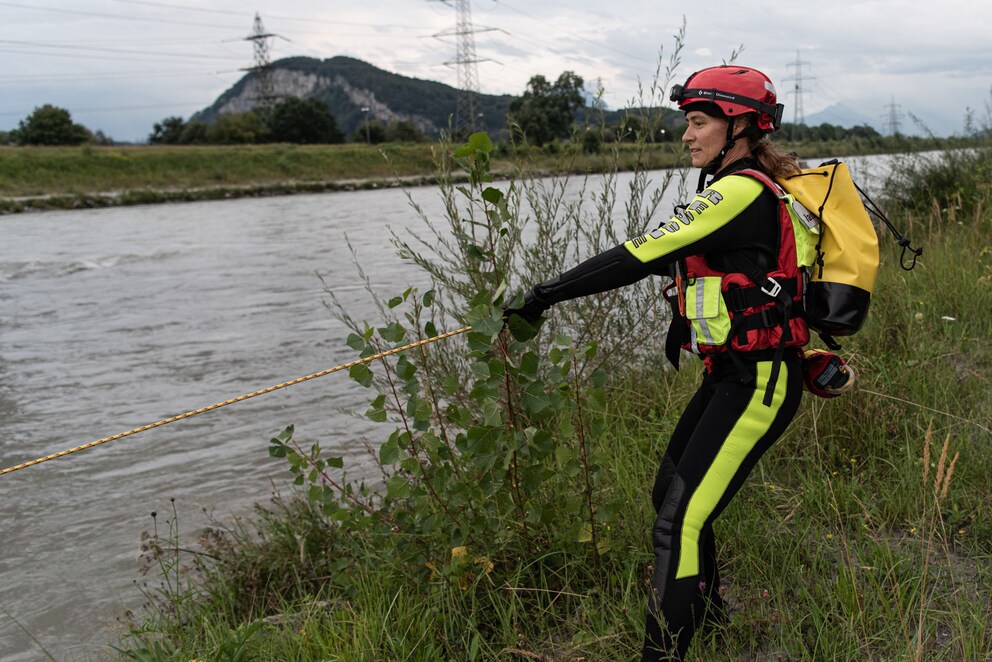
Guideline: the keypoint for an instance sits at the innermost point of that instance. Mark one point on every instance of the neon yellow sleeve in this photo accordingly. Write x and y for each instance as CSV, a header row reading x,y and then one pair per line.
x,y
709,211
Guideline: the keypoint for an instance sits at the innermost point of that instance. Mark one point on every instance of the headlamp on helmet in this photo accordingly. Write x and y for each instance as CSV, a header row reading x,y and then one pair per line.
x,y
736,91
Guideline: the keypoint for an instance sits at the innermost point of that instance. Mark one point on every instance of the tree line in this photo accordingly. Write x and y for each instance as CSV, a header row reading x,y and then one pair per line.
x,y
545,113
51,125
291,120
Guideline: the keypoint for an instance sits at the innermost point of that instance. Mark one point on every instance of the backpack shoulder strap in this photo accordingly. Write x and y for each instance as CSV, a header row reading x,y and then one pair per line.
x,y
764,178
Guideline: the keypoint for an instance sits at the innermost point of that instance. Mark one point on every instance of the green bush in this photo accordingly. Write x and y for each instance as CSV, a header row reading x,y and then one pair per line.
x,y
947,186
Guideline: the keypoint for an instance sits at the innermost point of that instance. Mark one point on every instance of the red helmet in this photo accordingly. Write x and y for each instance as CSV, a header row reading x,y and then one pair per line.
x,y
736,91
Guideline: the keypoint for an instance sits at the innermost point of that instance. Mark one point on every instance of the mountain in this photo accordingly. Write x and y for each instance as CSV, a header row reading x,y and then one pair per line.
x,y
839,114
348,85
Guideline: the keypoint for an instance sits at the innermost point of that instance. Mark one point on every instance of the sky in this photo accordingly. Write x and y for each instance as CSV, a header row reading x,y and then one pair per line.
x,y
120,66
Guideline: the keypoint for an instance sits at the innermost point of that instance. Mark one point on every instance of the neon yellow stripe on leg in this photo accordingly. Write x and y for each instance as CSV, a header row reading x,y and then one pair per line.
x,y
752,426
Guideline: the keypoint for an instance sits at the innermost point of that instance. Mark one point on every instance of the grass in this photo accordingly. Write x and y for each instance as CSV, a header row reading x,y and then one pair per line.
x,y
78,177
66,170
39,178
865,533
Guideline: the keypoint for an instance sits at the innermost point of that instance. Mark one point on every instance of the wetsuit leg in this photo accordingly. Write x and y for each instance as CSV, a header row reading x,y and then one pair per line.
x,y
694,411
724,431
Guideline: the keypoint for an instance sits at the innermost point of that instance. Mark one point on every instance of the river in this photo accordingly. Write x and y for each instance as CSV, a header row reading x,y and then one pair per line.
x,y
115,318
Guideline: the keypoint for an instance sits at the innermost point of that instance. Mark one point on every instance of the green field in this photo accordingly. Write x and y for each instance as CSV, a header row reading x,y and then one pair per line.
x,y
38,178
55,177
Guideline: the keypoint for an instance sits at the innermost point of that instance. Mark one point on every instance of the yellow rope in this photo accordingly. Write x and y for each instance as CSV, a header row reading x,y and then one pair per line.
x,y
203,410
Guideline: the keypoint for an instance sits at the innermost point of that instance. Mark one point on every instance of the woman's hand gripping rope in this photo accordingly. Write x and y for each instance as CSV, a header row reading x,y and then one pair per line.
x,y
524,316
522,320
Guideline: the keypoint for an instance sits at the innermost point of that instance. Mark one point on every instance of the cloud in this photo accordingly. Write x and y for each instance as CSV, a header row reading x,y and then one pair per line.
x,y
173,57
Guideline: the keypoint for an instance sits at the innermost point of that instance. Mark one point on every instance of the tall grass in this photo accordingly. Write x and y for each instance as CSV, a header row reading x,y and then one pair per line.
x,y
513,522
853,540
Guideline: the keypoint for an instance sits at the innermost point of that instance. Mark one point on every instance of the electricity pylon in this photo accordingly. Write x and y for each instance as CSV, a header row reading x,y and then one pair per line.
x,y
467,110
265,95
798,119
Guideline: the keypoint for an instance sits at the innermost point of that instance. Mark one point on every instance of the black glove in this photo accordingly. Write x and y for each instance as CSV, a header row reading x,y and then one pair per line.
x,y
531,311
524,321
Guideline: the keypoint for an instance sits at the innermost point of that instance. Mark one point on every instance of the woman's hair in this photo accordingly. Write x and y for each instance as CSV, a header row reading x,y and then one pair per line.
x,y
772,159
770,156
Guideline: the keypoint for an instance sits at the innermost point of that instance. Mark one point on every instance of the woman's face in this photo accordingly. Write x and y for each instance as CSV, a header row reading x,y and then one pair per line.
x,y
705,136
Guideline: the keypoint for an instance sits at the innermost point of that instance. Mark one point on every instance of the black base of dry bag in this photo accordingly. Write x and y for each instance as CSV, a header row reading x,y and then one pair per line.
x,y
835,308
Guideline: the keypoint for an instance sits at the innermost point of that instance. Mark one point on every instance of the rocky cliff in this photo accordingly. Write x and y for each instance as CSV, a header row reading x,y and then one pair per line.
x,y
349,86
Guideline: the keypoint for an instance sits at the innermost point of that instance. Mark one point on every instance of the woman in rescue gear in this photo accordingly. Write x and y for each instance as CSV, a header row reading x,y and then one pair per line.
x,y
736,296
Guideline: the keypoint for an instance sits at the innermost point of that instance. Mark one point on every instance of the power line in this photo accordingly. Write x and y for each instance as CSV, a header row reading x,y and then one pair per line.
x,y
109,75
466,61
99,49
893,117
572,34
568,54
279,17
122,17
111,109
467,106
115,58
265,95
798,118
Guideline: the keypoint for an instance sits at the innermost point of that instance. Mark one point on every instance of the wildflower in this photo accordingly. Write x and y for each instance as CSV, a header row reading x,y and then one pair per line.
x,y
830,536
912,531
919,317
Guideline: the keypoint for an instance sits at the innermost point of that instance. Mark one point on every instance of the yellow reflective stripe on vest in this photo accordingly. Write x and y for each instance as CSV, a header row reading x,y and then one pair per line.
x,y
753,424
708,317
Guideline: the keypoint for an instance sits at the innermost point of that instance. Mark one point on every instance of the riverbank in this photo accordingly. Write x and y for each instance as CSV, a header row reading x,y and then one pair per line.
x,y
44,178
49,178
863,534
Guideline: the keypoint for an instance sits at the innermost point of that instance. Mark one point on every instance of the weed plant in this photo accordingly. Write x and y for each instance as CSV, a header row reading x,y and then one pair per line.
x,y
512,515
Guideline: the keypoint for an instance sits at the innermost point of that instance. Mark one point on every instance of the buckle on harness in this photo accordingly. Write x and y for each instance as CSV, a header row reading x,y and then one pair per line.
x,y
776,287
770,318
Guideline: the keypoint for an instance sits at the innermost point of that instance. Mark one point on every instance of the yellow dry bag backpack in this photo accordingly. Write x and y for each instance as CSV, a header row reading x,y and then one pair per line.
x,y
843,275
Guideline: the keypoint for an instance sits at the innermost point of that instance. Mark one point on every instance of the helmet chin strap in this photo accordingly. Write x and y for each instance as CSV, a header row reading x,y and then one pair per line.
x,y
713,166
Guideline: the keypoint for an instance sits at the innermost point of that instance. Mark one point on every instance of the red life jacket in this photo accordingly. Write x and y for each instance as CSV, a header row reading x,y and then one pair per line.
x,y
746,310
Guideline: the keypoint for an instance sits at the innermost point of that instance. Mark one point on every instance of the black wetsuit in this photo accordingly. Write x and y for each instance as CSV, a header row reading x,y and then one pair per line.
x,y
726,427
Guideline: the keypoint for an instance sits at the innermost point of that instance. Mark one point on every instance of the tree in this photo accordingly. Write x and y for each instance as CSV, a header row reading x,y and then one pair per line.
x,y
370,132
592,141
168,132
303,121
403,131
50,125
194,133
546,111
237,129
100,138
